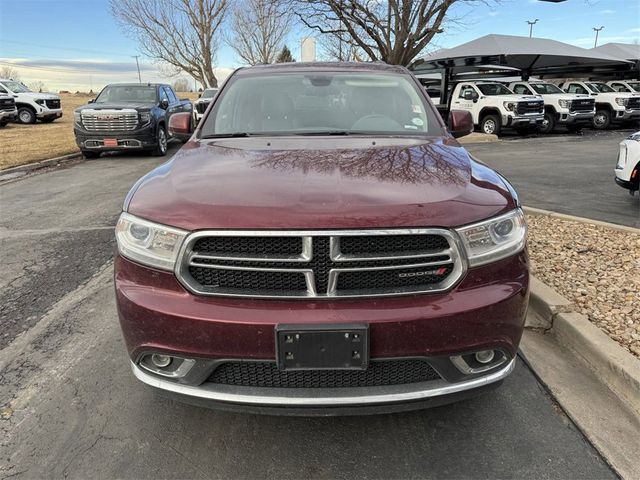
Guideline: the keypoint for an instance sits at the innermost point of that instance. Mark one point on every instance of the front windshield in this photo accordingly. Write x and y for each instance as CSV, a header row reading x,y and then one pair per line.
x,y
545,88
634,85
209,93
127,94
490,89
16,87
321,102
600,87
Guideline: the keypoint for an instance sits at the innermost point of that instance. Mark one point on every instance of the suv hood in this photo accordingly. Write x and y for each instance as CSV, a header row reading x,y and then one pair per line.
x,y
38,96
566,96
313,183
116,106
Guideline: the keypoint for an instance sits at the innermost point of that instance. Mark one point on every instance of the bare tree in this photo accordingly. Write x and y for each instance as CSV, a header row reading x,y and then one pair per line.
x,y
340,47
395,31
182,33
9,72
258,30
37,86
181,85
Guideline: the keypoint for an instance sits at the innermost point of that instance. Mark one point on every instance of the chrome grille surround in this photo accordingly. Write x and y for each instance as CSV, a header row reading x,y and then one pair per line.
x,y
300,263
122,120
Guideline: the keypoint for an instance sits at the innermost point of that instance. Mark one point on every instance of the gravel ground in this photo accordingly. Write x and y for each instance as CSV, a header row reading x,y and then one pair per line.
x,y
595,267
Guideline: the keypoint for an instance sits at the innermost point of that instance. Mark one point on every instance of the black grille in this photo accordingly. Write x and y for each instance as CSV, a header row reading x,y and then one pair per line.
x,y
250,246
201,107
392,244
233,255
634,103
7,104
380,372
530,107
582,105
390,279
277,283
52,103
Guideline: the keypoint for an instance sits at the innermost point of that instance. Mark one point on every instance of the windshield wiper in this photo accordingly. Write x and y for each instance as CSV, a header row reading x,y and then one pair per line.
x,y
328,132
228,135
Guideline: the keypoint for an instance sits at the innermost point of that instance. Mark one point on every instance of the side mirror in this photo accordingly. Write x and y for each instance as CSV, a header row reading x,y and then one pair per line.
x,y
468,95
180,125
460,123
92,100
164,103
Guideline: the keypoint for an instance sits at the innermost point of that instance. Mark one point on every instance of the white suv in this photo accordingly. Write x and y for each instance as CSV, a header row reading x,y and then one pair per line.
x,y
571,110
205,98
32,106
628,165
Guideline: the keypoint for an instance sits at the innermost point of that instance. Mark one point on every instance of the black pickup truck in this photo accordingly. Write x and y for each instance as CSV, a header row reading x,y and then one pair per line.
x,y
127,117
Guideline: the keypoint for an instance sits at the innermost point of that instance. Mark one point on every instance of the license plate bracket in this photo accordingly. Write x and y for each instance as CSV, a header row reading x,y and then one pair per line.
x,y
110,142
322,347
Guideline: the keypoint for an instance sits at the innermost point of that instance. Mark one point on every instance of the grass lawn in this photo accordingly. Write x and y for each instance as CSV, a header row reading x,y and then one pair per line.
x,y
21,144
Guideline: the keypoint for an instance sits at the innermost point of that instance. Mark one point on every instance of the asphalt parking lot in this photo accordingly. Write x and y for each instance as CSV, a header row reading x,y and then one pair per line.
x,y
77,411
566,173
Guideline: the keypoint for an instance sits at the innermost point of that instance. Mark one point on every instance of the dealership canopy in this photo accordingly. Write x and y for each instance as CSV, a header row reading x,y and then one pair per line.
x,y
628,51
532,56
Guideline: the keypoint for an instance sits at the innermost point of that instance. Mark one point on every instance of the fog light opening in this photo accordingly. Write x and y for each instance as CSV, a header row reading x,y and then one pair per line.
x,y
161,361
485,356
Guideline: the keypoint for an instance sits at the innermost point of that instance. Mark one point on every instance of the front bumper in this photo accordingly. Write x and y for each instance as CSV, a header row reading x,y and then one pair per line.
x,y
485,311
624,115
522,120
575,118
335,401
143,138
8,115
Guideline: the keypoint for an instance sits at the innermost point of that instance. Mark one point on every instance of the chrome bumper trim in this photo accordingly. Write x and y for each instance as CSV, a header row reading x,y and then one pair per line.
x,y
322,397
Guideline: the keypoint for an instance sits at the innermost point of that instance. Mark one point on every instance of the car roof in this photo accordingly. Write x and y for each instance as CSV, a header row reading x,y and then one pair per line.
x,y
322,66
137,85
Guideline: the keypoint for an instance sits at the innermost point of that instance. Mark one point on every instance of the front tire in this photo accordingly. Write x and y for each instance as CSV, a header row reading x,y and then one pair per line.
x,y
490,125
602,119
161,147
548,123
26,115
89,155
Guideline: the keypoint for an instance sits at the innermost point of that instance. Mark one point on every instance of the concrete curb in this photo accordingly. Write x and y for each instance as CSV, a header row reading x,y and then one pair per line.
x,y
618,369
41,164
548,213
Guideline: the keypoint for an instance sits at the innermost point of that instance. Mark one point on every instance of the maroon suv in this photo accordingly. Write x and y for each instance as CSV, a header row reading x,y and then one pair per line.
x,y
322,244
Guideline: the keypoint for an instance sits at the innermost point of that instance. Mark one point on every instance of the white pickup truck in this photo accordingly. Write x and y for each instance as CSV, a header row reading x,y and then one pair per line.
x,y
629,86
571,110
32,106
611,106
494,107
8,112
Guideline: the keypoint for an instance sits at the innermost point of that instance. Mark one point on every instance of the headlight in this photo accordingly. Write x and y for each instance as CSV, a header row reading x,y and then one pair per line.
x,y
622,158
147,242
494,239
40,101
634,136
564,103
509,106
77,118
145,117
622,101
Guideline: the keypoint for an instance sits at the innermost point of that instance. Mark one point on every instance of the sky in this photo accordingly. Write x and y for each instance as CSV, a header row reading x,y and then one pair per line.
x,y
77,45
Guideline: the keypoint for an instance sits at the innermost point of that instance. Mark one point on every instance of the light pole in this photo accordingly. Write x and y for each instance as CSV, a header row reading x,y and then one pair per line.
x,y
531,24
597,30
138,65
